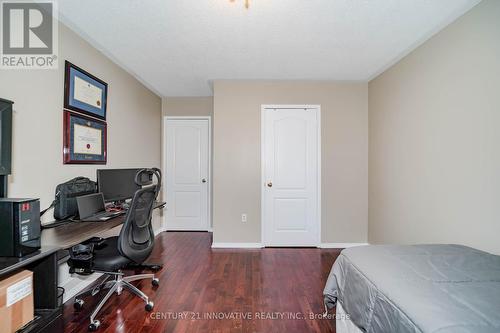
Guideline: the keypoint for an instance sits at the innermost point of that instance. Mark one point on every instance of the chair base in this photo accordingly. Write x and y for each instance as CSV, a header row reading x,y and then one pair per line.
x,y
146,266
116,285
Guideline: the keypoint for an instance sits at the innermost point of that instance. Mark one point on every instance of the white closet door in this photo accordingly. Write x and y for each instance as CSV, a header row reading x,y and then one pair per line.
x,y
187,174
290,151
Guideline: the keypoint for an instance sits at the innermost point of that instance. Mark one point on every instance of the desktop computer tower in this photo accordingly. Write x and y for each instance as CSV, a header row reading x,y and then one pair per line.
x,y
19,227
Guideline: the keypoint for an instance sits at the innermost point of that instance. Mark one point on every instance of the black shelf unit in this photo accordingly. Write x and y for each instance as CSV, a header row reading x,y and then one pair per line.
x,y
46,295
5,144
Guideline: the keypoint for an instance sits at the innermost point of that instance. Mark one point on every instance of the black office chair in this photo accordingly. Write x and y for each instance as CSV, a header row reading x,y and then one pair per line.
x,y
132,246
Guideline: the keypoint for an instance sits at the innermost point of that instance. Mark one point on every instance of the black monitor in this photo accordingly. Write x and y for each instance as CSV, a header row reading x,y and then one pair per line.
x,y
117,184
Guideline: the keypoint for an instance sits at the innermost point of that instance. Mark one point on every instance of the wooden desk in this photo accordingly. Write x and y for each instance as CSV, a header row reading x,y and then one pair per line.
x,y
44,264
9,265
67,235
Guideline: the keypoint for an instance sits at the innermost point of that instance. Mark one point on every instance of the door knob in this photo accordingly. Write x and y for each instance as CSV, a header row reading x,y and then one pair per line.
x,y
270,184
203,180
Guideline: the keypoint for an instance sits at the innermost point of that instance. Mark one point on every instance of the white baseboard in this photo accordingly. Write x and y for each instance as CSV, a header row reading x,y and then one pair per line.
x,y
259,245
184,229
159,231
237,246
340,245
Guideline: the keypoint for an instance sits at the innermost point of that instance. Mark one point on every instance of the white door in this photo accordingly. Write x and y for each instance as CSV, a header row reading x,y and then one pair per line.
x,y
290,154
187,174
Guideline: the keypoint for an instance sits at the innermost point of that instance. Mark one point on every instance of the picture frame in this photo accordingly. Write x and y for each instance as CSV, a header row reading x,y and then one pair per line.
x,y
85,93
85,139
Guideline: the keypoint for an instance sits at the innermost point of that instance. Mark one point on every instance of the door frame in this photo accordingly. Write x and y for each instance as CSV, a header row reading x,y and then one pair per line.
x,y
263,165
164,162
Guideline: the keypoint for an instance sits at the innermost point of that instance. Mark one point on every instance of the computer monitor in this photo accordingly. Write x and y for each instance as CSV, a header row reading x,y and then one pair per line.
x,y
117,184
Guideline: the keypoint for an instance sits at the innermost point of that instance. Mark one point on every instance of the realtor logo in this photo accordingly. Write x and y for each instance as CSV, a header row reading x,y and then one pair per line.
x,y
29,35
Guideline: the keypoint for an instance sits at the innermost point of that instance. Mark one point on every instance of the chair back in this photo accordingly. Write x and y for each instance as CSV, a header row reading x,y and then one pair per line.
x,y
136,239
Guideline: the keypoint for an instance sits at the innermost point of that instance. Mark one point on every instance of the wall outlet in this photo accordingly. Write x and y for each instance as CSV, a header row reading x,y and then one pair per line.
x,y
243,217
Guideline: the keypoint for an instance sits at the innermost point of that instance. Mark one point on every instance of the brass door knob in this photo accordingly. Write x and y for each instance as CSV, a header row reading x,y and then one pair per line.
x,y
270,184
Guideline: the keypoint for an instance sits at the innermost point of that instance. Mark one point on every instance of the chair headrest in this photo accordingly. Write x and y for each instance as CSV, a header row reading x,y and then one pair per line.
x,y
148,172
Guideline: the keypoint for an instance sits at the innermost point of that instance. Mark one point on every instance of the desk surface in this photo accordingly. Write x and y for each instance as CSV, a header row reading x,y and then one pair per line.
x,y
67,235
10,264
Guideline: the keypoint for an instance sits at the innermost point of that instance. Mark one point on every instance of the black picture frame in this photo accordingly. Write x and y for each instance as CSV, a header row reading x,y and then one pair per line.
x,y
72,156
84,92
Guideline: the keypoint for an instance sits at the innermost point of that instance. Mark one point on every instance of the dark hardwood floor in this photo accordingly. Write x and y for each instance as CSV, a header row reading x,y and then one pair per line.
x,y
206,290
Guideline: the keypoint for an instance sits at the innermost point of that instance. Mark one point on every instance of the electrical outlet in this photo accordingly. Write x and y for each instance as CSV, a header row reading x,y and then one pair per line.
x,y
243,217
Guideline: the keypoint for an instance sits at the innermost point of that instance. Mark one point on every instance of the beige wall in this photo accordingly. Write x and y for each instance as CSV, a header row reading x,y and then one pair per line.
x,y
134,115
237,166
188,106
435,139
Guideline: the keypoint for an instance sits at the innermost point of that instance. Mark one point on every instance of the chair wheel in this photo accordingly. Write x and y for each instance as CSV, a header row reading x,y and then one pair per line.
x,y
94,326
155,282
149,306
78,305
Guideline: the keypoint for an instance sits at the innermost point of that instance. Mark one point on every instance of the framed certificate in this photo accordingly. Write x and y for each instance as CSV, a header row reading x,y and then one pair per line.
x,y
84,92
84,139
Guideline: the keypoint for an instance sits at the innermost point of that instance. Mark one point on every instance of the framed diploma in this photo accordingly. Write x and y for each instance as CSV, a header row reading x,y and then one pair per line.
x,y
84,139
84,92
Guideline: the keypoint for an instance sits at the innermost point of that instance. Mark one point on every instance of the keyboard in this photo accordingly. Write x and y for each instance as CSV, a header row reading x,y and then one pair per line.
x,y
102,217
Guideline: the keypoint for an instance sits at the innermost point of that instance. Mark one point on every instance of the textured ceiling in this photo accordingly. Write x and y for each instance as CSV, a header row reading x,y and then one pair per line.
x,y
177,47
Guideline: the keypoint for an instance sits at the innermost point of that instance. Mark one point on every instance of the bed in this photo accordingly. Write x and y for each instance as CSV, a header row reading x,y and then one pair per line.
x,y
420,288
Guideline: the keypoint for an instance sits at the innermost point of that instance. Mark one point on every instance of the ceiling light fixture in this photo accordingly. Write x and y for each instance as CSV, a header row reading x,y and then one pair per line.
x,y
247,3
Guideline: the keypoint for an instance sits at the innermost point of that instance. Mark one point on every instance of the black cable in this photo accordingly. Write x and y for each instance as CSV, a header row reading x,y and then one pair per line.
x,y
58,223
54,224
46,209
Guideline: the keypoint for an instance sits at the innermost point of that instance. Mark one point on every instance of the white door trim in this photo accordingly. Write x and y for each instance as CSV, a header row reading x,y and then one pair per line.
x,y
236,245
263,164
164,167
